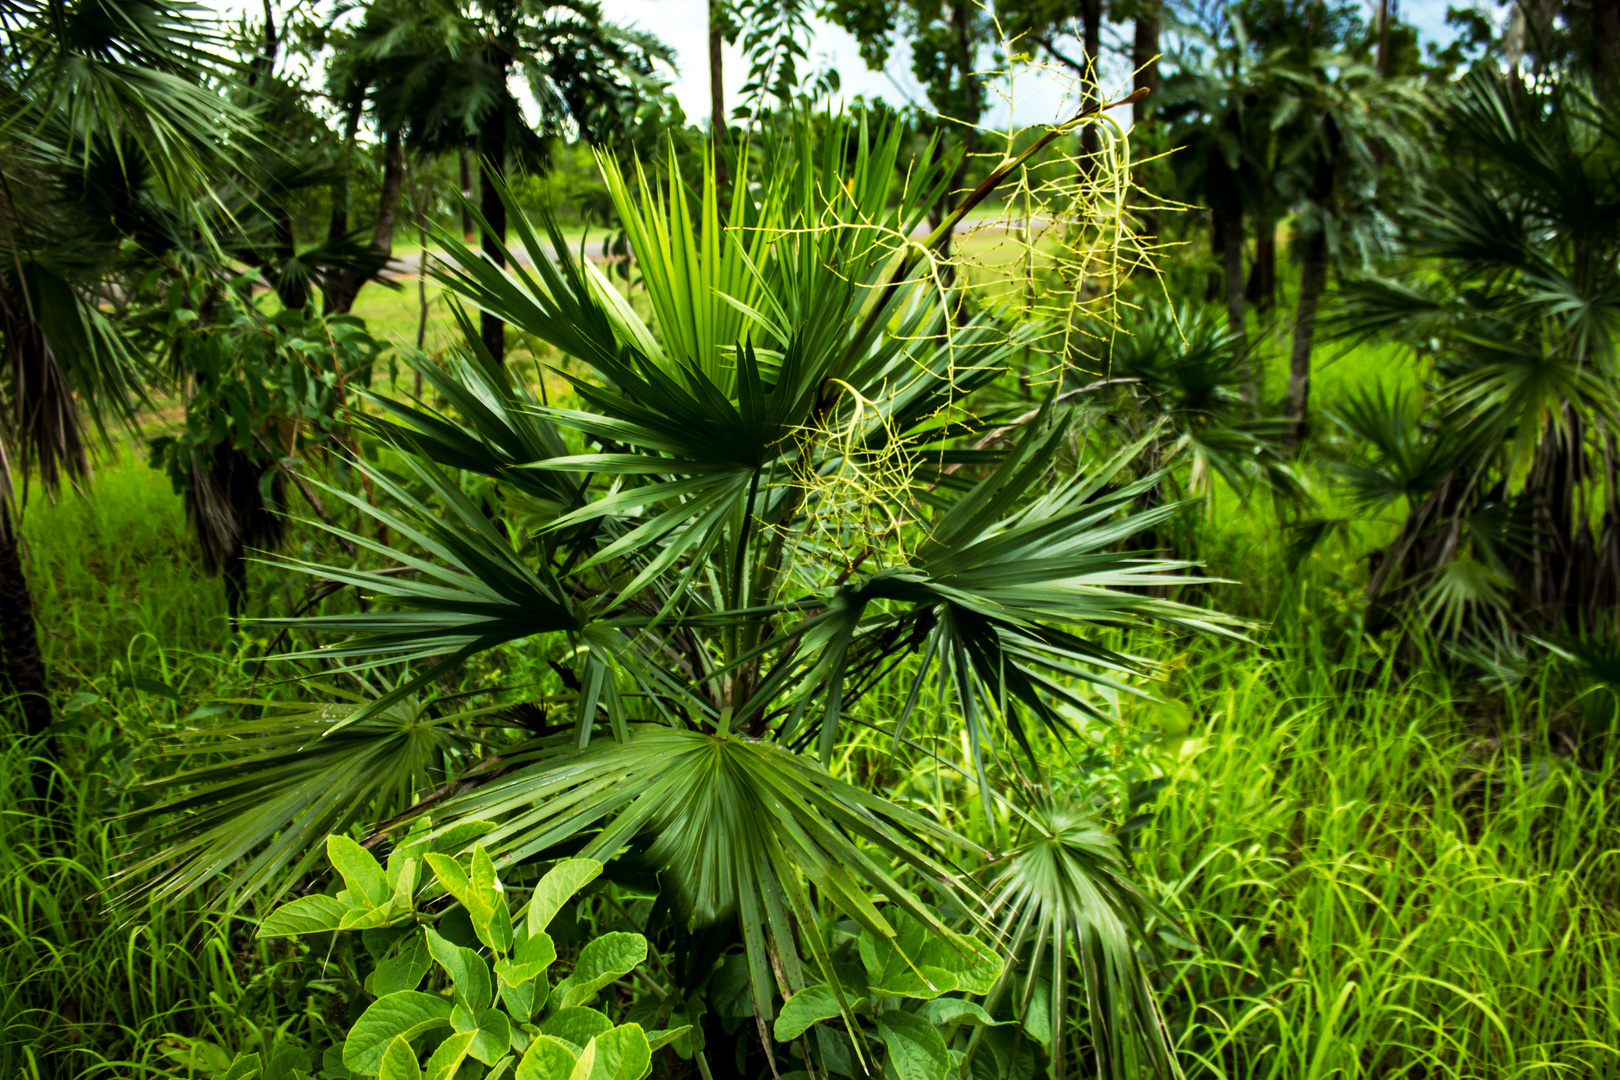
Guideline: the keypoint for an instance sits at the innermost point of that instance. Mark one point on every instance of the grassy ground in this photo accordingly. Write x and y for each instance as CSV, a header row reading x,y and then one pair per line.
x,y
1383,874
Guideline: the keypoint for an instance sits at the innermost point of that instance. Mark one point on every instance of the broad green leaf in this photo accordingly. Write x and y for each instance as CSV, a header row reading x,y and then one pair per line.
x,y
491,918
576,1026
559,886
289,1063
945,1011
600,962
242,1067
407,1013
402,880
524,1000
450,875
449,842
399,1061
468,972
660,1039
1037,1017
306,915
361,872
919,962
372,918
533,956
547,1059
404,970
492,1032
915,1049
1005,1054
448,1056
809,1006
622,1053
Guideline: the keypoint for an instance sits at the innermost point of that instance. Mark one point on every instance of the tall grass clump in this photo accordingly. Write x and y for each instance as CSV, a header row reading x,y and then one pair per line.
x,y
1382,881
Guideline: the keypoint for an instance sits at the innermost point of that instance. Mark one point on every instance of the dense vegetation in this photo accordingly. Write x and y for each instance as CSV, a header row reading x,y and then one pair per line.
x,y
499,581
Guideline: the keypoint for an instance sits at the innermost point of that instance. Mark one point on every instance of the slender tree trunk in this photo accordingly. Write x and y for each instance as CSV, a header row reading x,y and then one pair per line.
x,y
382,230
1232,266
492,149
420,197
1262,291
345,285
24,664
19,639
717,85
1383,58
1606,45
466,193
337,226
1091,42
1312,281
1144,59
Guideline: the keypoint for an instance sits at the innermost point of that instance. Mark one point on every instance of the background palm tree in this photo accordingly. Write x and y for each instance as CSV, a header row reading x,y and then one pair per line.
x,y
1512,299
438,77
108,123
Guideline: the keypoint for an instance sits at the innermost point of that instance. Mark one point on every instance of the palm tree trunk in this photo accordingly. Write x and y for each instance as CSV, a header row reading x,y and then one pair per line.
x,y
382,230
1382,61
1312,281
1144,59
1091,42
345,285
337,226
466,193
717,86
24,665
1232,267
1262,289
492,149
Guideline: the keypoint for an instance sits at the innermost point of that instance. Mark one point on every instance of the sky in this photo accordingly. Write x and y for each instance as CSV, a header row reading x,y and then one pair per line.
x,y
1035,98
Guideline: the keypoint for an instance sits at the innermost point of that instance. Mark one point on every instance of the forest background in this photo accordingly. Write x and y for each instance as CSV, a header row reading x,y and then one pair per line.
x,y
503,577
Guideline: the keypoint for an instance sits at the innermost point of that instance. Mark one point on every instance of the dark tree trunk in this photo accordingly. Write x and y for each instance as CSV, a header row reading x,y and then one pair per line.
x,y
1312,281
337,226
19,640
717,86
1262,289
1091,43
1232,266
343,286
382,230
1144,59
1606,44
492,149
466,193
1383,58
969,135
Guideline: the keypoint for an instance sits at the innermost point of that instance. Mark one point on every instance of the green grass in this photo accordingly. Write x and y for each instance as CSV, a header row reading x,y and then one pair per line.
x,y
1385,874
1381,885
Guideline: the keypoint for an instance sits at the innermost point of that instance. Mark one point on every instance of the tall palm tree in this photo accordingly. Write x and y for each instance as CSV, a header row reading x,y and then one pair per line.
x,y
441,76
1352,137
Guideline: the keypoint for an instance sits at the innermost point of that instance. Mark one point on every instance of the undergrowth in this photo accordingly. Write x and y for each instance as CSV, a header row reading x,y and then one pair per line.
x,y
1376,872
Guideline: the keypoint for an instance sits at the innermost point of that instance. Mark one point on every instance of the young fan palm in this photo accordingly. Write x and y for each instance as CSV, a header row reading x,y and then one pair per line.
x,y
759,508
